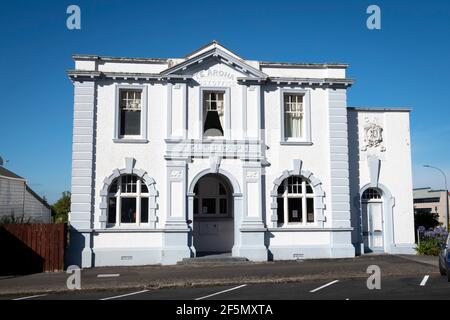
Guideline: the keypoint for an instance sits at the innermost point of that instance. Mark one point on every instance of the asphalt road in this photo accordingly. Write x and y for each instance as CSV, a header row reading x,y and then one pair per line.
x,y
423,287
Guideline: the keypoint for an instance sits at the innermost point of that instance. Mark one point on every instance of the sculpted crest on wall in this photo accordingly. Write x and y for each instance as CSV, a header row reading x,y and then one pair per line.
x,y
373,136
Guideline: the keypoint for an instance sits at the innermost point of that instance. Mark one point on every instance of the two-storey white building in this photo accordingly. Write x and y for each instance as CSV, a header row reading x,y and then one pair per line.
x,y
173,158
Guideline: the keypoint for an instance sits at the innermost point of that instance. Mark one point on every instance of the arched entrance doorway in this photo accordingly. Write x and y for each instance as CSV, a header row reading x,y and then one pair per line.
x,y
373,220
213,218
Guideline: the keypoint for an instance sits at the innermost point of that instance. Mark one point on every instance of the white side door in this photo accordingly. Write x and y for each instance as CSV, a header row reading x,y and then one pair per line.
x,y
373,226
376,234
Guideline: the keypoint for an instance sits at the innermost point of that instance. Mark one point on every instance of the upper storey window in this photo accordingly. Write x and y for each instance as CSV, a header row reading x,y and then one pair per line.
x,y
294,116
213,113
130,112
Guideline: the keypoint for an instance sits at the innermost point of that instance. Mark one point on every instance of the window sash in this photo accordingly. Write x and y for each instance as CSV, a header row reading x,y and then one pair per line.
x,y
128,187
130,112
294,116
213,101
130,123
130,99
294,189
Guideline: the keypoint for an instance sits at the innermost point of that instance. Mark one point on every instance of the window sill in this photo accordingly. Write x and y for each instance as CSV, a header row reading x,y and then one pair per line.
x,y
127,225
121,229
128,140
297,225
296,143
308,229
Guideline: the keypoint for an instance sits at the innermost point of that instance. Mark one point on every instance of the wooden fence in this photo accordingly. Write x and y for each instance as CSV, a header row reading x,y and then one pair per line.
x,y
31,248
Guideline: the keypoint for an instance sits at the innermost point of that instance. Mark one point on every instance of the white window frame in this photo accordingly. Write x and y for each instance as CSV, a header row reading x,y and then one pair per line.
x,y
138,195
306,138
227,112
142,138
304,196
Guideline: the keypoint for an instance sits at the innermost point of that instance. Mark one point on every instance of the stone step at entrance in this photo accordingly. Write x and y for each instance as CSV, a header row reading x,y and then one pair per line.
x,y
210,257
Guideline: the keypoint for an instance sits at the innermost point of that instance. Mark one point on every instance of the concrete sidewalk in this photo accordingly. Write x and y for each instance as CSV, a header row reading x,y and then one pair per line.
x,y
210,273
430,260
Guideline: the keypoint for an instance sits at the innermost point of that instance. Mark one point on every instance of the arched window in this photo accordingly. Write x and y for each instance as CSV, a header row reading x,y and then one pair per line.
x,y
128,201
295,201
371,194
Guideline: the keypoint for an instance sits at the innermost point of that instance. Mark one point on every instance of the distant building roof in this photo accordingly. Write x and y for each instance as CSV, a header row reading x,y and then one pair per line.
x,y
9,174
423,193
38,198
380,109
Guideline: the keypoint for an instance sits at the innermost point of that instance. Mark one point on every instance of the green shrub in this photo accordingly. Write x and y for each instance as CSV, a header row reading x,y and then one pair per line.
x,y
431,241
428,247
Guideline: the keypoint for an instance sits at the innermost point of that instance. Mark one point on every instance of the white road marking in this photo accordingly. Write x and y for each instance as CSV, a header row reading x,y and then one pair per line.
x,y
424,281
220,292
108,275
30,297
125,295
324,286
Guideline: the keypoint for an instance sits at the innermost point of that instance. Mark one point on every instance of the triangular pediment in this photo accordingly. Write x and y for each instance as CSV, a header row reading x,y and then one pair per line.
x,y
212,54
212,45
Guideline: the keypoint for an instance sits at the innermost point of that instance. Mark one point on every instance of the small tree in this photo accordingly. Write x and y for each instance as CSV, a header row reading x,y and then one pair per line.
x,y
425,218
62,208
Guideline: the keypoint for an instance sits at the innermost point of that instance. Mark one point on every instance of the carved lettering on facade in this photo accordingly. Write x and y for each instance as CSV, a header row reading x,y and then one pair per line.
x,y
215,78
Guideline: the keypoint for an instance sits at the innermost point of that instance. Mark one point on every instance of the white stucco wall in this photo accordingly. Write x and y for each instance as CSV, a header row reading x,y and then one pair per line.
x,y
395,172
111,155
303,72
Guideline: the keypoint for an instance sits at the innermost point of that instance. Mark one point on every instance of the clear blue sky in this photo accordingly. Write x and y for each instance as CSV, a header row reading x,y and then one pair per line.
x,y
407,63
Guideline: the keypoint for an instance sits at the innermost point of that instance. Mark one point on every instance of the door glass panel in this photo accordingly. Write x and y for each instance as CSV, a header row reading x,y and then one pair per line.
x,y
195,206
223,206
209,206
